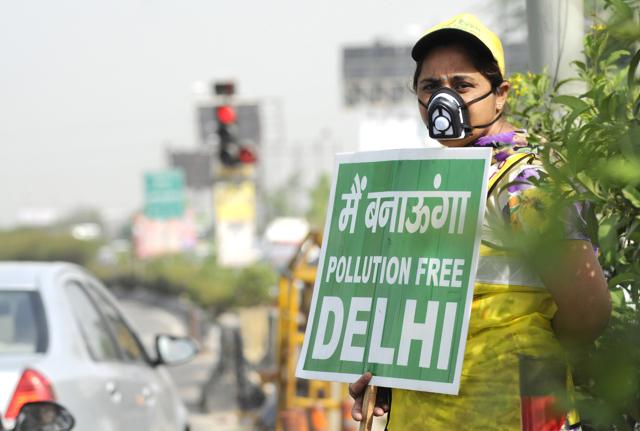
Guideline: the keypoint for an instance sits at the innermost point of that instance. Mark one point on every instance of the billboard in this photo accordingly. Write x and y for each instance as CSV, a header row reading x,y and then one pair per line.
x,y
164,194
235,212
154,237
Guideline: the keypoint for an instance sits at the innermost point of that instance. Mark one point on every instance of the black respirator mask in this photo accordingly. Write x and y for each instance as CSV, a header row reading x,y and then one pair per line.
x,y
448,115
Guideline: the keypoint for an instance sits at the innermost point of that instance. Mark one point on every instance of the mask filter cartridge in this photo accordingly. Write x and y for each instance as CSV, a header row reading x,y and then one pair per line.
x,y
448,115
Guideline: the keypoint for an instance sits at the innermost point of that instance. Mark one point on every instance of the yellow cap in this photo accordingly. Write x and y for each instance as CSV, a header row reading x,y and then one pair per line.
x,y
466,23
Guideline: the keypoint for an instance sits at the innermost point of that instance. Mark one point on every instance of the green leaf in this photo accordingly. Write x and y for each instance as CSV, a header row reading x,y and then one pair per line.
x,y
633,195
572,102
621,278
617,297
562,82
616,55
580,65
590,184
592,226
622,10
608,237
633,66
625,171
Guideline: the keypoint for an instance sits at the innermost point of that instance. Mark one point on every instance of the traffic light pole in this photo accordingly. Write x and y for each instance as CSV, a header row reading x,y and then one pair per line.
x,y
234,188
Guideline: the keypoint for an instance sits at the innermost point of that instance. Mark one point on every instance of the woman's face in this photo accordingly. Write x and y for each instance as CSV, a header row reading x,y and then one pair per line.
x,y
450,66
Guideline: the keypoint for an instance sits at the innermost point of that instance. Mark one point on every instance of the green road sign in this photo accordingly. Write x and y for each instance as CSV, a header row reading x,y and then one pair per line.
x,y
164,194
395,278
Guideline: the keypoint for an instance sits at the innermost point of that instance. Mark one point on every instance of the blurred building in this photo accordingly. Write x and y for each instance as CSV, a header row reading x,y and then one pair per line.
x,y
376,75
196,165
377,90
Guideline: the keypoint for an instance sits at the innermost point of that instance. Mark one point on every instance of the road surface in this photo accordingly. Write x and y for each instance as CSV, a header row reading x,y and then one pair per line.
x,y
190,377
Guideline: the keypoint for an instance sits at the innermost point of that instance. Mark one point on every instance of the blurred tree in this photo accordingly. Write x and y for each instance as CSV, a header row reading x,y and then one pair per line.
x,y
319,198
41,245
209,285
590,146
282,201
252,285
203,280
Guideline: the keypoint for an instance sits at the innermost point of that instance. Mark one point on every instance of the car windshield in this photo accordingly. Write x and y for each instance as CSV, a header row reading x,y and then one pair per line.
x,y
22,323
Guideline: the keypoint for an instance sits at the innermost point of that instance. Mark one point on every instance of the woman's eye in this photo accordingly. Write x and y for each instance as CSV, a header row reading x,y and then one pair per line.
x,y
463,86
430,87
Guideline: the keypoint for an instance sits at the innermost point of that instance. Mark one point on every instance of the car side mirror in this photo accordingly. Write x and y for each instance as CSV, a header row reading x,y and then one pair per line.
x,y
171,350
44,416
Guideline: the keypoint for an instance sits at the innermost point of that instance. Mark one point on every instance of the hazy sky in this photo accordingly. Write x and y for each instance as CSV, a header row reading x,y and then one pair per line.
x,y
92,91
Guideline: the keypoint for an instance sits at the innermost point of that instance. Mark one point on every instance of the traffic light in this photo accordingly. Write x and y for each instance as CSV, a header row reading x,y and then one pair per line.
x,y
231,151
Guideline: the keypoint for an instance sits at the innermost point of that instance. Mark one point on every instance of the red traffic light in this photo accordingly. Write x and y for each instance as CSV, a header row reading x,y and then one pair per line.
x,y
226,114
246,156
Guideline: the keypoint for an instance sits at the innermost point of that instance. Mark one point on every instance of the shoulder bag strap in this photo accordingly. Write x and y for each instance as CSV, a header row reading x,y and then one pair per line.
x,y
505,168
500,174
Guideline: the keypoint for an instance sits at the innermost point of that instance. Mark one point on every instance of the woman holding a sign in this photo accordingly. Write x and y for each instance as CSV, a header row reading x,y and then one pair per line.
x,y
522,312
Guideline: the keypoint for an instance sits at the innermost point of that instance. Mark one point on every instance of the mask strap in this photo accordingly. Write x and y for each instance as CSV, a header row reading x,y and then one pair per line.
x,y
477,99
489,123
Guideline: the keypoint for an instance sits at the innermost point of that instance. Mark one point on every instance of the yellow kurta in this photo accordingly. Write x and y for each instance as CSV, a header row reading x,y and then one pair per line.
x,y
510,316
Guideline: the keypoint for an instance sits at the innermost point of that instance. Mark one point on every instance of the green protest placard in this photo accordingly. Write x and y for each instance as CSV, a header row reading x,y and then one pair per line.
x,y
395,278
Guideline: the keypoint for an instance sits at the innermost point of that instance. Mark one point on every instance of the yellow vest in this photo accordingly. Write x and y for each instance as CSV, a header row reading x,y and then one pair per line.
x,y
510,316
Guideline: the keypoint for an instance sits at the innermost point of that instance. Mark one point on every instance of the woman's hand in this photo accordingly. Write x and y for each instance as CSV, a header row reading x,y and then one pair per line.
x,y
356,391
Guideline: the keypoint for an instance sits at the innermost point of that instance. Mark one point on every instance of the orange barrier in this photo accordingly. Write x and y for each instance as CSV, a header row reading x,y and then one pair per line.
x,y
348,424
294,419
318,419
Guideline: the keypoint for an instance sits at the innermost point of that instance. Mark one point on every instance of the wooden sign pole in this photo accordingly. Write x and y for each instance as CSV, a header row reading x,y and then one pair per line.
x,y
368,403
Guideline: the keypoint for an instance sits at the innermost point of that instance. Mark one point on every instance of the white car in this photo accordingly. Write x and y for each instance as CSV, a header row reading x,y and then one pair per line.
x,y
64,338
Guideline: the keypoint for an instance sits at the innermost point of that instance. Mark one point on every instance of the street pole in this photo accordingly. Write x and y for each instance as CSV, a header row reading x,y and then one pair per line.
x,y
556,32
